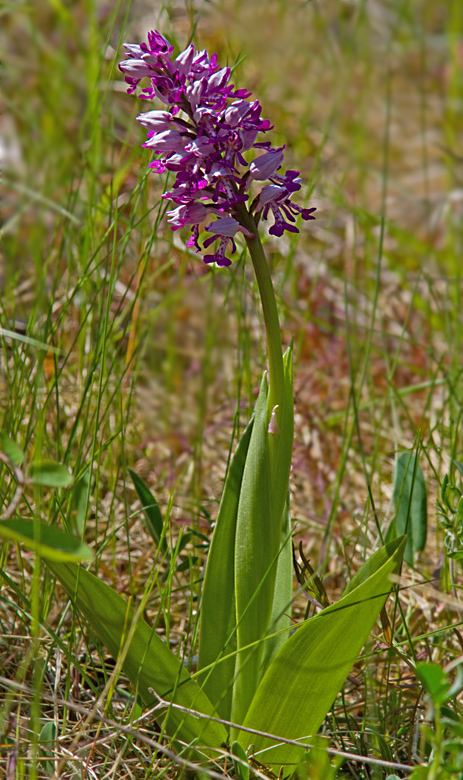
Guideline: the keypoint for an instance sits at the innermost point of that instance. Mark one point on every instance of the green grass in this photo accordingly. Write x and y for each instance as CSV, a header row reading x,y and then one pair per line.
x,y
152,360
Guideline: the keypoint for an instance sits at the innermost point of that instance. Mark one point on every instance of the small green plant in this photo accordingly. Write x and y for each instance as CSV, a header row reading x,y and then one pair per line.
x,y
442,732
450,511
258,686
450,514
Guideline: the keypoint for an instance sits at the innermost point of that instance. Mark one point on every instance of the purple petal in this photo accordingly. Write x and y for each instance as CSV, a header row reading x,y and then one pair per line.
x,y
265,166
135,68
167,141
155,120
224,226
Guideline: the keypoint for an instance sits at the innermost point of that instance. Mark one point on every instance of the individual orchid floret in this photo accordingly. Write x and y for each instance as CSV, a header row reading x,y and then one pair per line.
x,y
202,136
192,214
266,165
166,141
226,228
155,121
276,198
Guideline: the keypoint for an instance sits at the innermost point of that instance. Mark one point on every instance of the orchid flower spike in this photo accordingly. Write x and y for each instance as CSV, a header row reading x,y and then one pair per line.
x,y
201,134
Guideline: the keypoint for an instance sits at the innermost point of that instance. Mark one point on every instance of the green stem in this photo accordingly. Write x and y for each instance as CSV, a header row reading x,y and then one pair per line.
x,y
269,307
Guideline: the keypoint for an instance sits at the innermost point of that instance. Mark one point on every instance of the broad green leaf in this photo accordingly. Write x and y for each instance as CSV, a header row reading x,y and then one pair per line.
x,y
280,618
256,551
261,506
370,567
49,474
281,444
217,635
303,680
12,450
48,541
409,496
280,452
148,662
151,511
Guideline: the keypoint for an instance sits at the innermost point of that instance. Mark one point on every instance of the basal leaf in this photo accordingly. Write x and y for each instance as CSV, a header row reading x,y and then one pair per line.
x,y
409,496
48,541
256,552
281,443
280,619
148,662
303,680
370,567
217,636
263,496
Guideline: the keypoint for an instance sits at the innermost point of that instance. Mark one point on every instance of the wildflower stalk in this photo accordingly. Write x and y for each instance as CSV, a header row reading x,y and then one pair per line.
x,y
202,135
269,308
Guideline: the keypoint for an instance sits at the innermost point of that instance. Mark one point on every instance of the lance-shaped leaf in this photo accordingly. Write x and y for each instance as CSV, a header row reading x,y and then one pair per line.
x,y
280,619
280,441
303,680
263,495
256,552
217,635
409,495
148,662
48,541
280,452
151,511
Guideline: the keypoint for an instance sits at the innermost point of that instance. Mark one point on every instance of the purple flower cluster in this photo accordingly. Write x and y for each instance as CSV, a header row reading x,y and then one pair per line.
x,y
201,137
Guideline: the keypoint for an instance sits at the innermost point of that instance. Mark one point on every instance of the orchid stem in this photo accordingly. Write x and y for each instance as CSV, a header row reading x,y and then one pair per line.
x,y
269,307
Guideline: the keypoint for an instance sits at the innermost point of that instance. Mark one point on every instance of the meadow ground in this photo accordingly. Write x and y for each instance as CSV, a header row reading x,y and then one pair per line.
x,y
120,349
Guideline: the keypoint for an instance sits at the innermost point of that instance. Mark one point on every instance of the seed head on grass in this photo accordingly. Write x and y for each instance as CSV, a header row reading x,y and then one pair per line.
x,y
201,137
